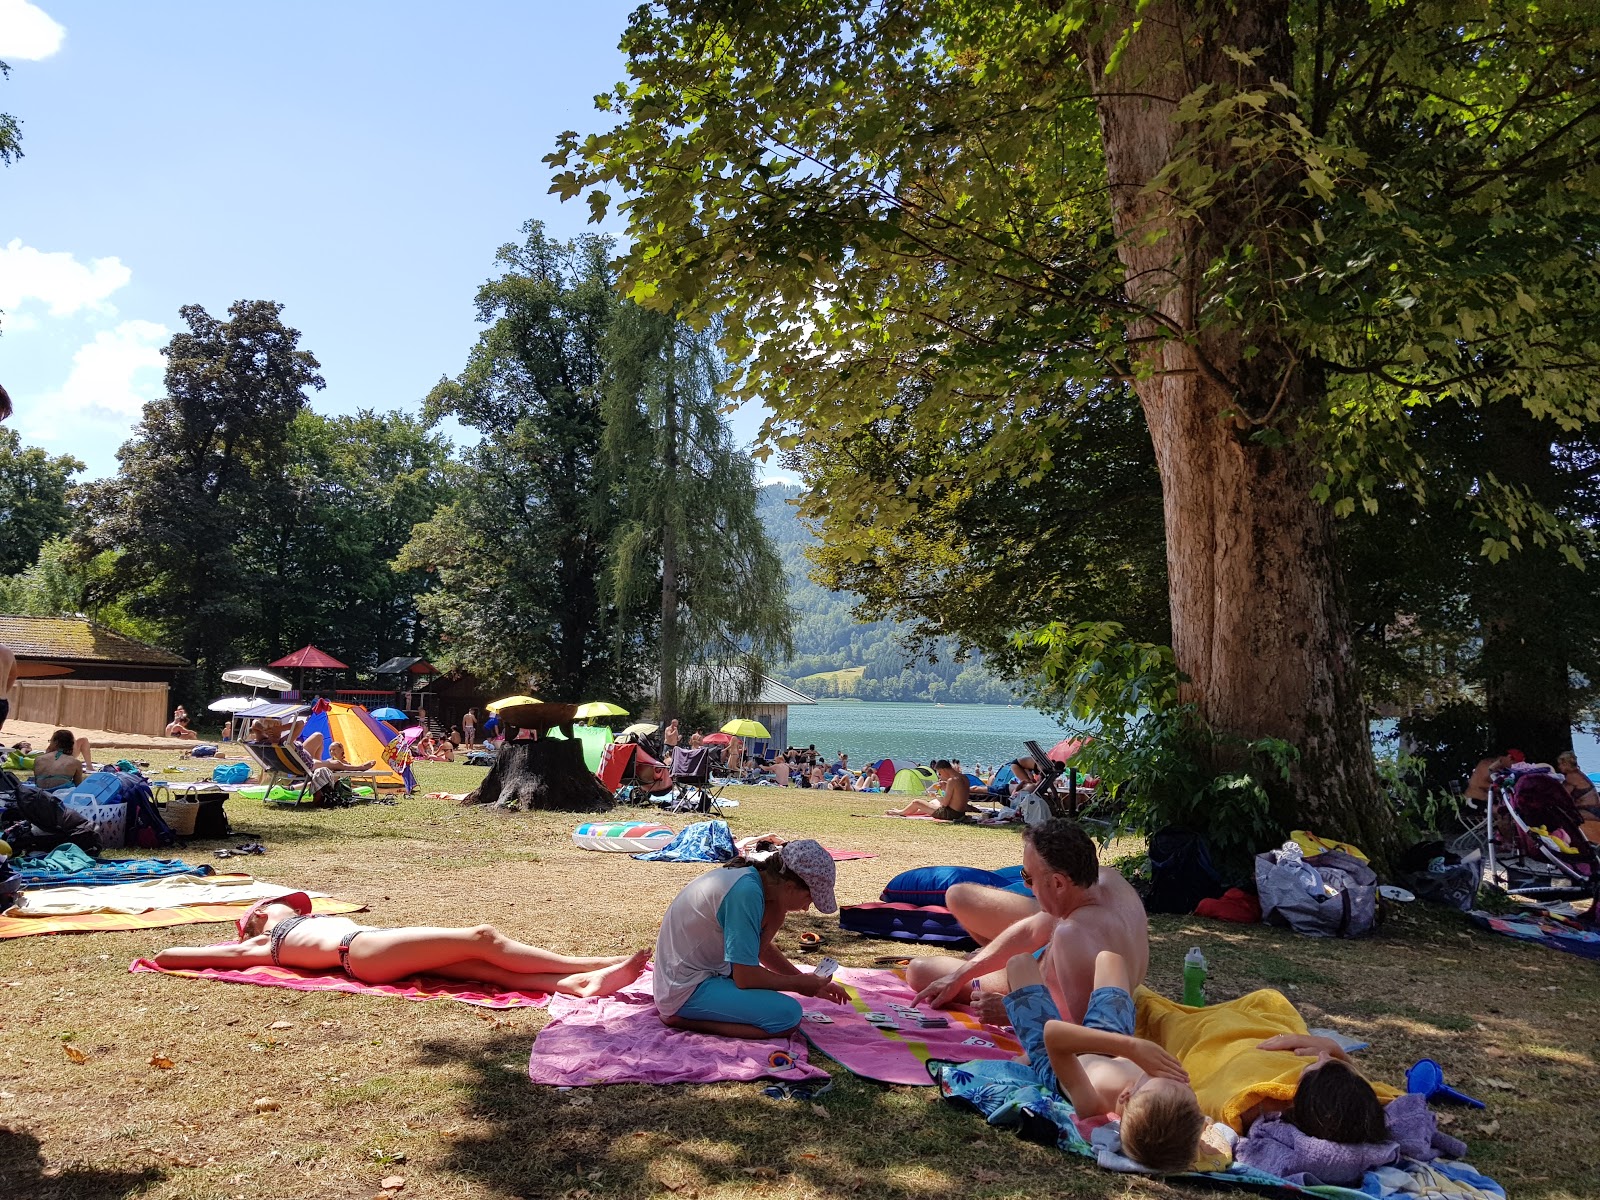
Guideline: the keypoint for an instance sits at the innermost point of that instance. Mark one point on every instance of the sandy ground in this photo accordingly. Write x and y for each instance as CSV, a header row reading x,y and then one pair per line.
x,y
37,734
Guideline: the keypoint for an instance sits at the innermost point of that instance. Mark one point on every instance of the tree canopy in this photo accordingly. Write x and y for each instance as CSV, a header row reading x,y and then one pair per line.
x,y
34,487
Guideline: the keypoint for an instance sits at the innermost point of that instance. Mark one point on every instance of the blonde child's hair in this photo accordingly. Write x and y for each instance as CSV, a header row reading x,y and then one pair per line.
x,y
1161,1128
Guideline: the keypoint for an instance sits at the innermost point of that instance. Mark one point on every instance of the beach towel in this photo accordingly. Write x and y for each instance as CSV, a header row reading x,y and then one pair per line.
x,y
161,918
421,987
1007,1094
897,1048
620,1039
702,842
848,855
1283,1148
172,891
67,864
1558,933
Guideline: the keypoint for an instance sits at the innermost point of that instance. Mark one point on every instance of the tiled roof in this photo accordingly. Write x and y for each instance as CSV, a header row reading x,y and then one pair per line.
x,y
77,639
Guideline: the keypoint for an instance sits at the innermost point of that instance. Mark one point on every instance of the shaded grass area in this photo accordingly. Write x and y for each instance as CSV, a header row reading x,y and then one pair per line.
x,y
367,1088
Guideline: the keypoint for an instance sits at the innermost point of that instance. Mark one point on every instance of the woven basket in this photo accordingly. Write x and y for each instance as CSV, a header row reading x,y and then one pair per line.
x,y
110,821
179,816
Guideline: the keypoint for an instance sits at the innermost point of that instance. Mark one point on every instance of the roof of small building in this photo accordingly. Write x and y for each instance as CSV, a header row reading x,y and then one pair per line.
x,y
78,639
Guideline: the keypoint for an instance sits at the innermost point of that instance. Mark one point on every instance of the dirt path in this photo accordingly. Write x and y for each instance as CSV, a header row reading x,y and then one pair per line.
x,y
38,734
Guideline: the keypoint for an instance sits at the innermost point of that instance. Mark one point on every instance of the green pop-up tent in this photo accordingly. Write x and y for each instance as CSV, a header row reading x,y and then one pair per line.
x,y
595,739
913,781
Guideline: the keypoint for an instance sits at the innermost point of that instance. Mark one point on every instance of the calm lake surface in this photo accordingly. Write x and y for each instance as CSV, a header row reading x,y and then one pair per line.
x,y
867,731
990,734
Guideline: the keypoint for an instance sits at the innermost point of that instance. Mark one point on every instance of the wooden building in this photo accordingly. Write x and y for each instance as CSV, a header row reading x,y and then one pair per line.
x,y
77,674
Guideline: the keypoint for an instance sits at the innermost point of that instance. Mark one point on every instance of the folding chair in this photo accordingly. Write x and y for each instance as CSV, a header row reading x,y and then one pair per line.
x,y
1049,774
691,781
289,764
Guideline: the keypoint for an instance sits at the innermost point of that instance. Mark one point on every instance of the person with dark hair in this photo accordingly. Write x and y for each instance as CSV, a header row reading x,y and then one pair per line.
x,y
1253,1056
716,967
1079,909
283,931
951,803
63,762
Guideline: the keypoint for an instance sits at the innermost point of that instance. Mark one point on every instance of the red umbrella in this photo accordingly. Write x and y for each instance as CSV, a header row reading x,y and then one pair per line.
x,y
309,658
1066,748
716,739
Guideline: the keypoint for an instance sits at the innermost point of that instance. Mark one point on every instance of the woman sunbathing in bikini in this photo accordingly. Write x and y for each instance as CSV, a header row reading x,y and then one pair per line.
x,y
285,933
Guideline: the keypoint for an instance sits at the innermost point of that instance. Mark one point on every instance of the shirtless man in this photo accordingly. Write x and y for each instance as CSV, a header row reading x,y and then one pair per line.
x,y
1483,774
8,676
1081,908
954,795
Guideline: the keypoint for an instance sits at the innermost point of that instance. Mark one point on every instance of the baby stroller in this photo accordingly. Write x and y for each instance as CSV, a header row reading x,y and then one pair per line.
x,y
692,790
1542,851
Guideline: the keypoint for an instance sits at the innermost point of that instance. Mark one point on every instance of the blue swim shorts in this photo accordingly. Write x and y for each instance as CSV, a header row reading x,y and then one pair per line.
x,y
721,999
1110,1009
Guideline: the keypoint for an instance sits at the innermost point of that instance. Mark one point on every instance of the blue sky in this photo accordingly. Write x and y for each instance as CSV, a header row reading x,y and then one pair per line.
x,y
359,162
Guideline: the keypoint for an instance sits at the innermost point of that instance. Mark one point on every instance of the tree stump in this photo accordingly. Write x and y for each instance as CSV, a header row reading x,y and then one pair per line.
x,y
533,775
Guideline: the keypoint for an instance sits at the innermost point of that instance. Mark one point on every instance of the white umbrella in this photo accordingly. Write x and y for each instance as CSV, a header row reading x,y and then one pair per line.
x,y
641,727
255,677
231,704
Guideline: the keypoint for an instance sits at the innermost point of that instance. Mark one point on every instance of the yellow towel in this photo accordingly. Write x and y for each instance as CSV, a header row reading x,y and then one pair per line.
x,y
1217,1046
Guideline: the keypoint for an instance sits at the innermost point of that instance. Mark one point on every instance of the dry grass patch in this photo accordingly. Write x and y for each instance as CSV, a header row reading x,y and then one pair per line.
x,y
361,1089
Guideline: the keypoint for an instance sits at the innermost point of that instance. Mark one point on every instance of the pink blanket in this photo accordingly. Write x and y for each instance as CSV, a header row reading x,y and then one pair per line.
x,y
417,988
897,1048
620,1039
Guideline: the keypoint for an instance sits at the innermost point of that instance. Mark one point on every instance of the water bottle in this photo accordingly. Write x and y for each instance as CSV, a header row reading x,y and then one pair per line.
x,y
1194,978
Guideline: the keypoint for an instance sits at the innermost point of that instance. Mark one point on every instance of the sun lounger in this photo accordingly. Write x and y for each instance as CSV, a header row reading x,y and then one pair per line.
x,y
290,765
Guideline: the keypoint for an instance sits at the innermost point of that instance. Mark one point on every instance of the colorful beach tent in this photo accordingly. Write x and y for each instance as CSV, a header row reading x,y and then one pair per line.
x,y
912,781
595,739
362,738
618,761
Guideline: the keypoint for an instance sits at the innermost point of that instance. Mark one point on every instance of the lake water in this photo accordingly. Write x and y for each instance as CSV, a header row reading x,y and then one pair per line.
x,y
975,733
867,730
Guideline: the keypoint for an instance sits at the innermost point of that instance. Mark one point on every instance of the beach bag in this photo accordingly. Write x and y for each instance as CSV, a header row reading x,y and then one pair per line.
x,y
44,823
1326,895
145,827
1181,872
234,772
204,750
1035,809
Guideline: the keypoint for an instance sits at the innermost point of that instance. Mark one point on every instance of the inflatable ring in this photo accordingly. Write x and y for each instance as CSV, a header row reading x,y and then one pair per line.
x,y
625,837
780,1060
810,940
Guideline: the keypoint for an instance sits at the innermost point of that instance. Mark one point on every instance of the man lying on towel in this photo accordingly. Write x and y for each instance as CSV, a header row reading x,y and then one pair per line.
x,y
1078,909
284,932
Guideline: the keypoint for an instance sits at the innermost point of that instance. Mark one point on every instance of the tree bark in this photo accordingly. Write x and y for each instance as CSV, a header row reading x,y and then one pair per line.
x,y
542,774
1260,623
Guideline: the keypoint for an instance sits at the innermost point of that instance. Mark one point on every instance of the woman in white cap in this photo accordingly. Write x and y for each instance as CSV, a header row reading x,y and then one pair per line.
x,y
716,968
283,931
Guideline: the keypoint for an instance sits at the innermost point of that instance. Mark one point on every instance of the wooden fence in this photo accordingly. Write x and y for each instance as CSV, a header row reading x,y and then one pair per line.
x,y
79,704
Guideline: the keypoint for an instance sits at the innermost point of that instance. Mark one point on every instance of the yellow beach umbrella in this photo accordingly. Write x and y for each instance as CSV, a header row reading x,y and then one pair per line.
x,y
746,729
599,708
641,727
509,702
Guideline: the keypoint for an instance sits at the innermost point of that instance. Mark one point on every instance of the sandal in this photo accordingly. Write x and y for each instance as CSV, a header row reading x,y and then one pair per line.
x,y
810,940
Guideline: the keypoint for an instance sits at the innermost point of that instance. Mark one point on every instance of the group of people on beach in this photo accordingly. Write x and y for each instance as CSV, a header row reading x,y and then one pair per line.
x,y
1060,965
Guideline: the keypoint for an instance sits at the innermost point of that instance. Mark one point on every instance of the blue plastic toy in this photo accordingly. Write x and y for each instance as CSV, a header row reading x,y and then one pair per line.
x,y
1426,1078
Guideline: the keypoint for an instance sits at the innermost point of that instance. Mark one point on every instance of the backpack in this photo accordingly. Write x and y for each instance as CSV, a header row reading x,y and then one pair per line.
x,y
234,772
1343,904
40,821
1181,872
145,828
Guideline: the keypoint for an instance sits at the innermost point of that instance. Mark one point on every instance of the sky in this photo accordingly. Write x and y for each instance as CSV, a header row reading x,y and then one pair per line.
x,y
358,162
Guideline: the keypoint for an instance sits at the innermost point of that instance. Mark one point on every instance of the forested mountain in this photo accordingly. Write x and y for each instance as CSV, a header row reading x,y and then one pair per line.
x,y
837,655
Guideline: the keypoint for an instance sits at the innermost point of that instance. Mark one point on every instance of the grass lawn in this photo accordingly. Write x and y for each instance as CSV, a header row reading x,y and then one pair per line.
x,y
437,1093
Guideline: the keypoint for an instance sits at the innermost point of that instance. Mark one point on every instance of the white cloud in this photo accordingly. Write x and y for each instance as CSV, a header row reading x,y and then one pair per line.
x,y
110,380
27,31
57,279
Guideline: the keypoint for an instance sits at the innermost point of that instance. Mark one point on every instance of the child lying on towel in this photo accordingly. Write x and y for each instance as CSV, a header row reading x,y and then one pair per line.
x,y
285,932
1104,1069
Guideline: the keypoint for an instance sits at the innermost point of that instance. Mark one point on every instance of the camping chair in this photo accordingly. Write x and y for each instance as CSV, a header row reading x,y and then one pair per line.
x,y
1548,859
287,763
691,779
1049,774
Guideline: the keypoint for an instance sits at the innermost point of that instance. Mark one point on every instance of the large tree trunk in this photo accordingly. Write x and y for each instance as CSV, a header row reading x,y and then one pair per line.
x,y
1260,625
542,774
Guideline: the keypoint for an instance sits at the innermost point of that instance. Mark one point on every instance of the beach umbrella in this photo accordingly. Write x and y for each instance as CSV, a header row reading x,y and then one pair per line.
x,y
599,708
510,702
231,704
746,729
641,727
388,714
1066,748
255,677
716,739
912,781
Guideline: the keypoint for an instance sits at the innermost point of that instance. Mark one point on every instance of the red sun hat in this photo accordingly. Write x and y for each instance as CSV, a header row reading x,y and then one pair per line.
x,y
298,901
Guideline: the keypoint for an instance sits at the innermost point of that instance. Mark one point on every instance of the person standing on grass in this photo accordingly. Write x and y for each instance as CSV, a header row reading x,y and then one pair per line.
x,y
469,728
716,968
8,676
671,737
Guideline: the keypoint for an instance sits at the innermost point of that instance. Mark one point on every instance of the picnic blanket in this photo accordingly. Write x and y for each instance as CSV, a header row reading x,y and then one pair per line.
x,y
702,842
420,987
1556,932
171,891
103,922
67,864
879,1035
1007,1094
620,1039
